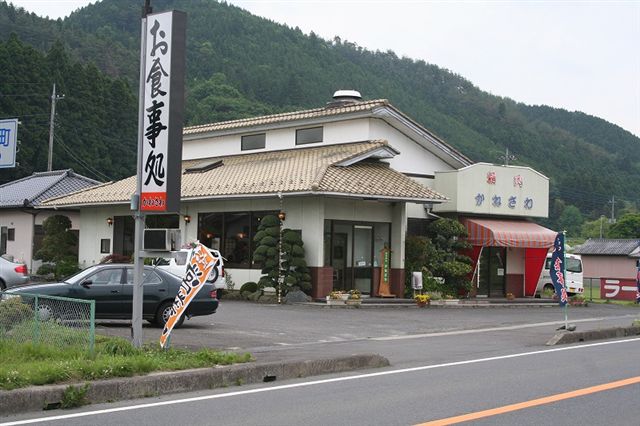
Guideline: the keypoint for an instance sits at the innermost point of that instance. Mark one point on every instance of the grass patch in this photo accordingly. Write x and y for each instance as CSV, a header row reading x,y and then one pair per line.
x,y
26,364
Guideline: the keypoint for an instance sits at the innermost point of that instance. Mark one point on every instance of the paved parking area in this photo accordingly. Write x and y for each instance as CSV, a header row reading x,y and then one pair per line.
x,y
260,328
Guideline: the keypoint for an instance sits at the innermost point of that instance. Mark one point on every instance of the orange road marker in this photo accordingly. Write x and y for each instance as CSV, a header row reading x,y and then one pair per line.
x,y
532,403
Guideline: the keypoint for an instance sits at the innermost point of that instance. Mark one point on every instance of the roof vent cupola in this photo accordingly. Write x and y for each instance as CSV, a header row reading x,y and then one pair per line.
x,y
344,97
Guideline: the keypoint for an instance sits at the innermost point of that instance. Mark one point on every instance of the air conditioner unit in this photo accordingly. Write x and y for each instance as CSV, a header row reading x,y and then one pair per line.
x,y
161,240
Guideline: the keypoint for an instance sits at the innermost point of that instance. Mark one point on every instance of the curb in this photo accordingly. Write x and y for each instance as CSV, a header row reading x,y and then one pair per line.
x,y
36,398
583,336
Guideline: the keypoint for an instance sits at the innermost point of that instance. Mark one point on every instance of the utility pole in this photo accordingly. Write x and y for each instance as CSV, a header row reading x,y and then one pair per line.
x,y
613,206
54,98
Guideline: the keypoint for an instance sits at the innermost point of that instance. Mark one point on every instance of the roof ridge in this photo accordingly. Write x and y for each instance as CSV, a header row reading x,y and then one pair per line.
x,y
284,114
48,173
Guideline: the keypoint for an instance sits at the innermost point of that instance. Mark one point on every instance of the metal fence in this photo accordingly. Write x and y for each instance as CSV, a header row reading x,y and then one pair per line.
x,y
591,288
49,320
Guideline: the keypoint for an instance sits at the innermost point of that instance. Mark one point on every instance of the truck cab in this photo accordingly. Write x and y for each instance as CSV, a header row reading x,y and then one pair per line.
x,y
573,279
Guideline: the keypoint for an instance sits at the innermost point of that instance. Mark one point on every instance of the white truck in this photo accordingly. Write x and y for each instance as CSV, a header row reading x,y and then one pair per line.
x,y
574,278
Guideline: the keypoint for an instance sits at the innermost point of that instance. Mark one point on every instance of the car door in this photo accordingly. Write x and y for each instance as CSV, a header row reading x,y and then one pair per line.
x,y
105,287
154,288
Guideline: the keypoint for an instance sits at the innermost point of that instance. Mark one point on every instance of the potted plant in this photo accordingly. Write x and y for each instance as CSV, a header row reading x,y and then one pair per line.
x,y
337,297
355,298
422,300
510,296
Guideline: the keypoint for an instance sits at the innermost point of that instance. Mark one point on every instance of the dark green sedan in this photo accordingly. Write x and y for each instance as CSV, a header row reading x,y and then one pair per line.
x,y
111,286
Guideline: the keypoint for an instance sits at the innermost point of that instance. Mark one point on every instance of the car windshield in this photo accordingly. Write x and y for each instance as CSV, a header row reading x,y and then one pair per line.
x,y
574,265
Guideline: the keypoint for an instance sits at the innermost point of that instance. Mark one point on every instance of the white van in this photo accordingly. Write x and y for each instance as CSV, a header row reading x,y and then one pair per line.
x,y
574,278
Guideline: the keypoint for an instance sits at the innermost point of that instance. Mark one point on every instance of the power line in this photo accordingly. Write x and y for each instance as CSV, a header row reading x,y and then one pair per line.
x,y
93,171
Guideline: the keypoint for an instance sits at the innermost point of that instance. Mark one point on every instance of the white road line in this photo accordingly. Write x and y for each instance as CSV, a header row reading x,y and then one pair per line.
x,y
484,330
313,383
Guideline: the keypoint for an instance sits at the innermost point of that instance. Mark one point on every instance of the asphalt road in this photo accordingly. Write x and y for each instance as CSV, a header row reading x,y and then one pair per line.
x,y
444,362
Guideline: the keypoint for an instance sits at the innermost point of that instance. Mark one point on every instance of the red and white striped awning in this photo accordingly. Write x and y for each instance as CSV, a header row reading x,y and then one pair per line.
x,y
508,233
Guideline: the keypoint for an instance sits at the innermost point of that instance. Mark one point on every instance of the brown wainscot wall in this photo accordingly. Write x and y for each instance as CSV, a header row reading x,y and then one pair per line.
x,y
321,281
515,284
397,282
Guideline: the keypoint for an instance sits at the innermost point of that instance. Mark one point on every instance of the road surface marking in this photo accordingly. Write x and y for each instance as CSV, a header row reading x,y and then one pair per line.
x,y
484,330
314,382
532,403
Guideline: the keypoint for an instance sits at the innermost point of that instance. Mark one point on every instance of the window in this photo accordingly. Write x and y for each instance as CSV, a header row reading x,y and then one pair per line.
x,y
106,276
311,135
162,221
253,142
148,277
11,234
232,233
105,245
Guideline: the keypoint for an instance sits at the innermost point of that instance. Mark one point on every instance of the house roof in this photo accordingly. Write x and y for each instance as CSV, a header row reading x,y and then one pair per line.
x,y
32,190
610,247
379,108
302,171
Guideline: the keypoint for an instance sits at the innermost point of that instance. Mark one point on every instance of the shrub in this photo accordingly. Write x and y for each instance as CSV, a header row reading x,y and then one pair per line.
x,y
116,258
13,312
46,269
250,287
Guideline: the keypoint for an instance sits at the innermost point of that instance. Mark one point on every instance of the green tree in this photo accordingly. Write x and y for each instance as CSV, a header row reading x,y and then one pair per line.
x,y
628,226
598,228
294,266
58,246
571,221
439,256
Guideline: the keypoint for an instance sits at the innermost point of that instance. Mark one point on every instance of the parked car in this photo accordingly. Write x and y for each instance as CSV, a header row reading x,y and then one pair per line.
x,y
177,265
12,273
111,286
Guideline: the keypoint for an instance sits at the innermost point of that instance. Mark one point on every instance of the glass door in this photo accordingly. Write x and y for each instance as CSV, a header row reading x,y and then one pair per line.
x,y
492,272
362,258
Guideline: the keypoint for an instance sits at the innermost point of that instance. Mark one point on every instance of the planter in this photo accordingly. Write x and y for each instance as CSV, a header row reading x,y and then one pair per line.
x,y
422,304
335,301
353,302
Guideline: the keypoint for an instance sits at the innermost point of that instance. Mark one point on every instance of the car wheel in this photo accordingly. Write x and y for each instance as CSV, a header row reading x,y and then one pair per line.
x,y
163,314
46,312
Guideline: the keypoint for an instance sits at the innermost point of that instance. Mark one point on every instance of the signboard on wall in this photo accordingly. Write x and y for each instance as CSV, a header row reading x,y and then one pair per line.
x,y
494,189
8,142
163,112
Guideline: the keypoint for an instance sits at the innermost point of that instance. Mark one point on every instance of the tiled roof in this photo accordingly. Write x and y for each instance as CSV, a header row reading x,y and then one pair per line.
x,y
295,171
34,189
288,116
610,247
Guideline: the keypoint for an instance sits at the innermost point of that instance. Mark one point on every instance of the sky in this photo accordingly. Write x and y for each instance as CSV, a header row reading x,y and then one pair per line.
x,y
578,55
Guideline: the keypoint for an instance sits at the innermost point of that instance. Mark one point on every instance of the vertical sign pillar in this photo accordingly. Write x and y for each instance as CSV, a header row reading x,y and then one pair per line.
x,y
161,103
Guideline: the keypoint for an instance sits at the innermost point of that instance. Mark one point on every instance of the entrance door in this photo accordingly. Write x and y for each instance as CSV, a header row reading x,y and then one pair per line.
x,y
362,258
492,273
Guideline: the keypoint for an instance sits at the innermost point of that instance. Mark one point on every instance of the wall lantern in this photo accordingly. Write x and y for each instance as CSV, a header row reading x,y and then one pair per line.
x,y
282,216
187,218
109,221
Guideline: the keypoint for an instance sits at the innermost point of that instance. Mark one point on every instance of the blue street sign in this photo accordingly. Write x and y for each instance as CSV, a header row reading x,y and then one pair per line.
x,y
8,142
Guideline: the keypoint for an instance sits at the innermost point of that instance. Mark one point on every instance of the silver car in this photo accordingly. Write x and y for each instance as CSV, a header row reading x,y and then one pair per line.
x,y
12,273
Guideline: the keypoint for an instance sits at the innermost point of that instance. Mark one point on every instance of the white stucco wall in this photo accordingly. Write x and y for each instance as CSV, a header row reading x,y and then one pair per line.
x,y
413,158
356,130
515,260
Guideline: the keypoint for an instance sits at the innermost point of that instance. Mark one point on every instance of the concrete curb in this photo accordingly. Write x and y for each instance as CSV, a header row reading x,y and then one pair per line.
x,y
583,336
38,398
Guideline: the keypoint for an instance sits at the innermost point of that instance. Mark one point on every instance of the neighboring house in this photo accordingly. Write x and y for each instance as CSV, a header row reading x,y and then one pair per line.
x,y
609,258
353,176
21,223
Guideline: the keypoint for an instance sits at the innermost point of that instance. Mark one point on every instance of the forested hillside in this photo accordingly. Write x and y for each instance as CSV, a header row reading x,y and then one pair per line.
x,y
240,65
